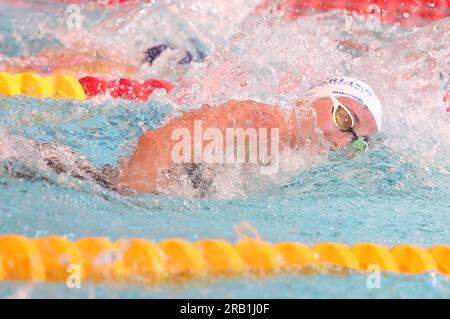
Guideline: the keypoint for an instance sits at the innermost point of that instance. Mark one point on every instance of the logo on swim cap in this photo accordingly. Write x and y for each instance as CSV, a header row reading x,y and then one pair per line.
x,y
349,87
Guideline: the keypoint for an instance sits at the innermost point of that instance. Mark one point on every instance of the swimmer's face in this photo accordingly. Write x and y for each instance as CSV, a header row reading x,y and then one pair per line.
x,y
364,124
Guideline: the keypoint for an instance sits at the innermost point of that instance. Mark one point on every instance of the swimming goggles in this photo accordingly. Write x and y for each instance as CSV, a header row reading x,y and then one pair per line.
x,y
343,119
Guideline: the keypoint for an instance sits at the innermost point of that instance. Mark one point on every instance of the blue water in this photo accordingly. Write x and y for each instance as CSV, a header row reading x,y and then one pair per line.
x,y
388,195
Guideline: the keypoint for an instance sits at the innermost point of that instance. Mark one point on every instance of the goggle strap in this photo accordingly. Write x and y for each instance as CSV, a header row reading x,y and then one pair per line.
x,y
336,105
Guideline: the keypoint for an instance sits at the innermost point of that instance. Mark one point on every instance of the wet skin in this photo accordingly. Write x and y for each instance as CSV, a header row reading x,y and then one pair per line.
x,y
307,126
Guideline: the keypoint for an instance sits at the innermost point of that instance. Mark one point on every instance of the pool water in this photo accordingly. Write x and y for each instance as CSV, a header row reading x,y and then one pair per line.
x,y
397,192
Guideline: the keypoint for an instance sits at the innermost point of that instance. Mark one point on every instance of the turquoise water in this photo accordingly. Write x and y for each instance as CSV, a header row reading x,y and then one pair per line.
x,y
391,194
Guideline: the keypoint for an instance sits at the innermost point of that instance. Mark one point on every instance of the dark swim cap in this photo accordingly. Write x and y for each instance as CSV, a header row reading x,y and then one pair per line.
x,y
152,53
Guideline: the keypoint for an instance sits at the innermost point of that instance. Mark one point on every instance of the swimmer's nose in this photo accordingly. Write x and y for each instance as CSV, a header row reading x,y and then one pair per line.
x,y
152,53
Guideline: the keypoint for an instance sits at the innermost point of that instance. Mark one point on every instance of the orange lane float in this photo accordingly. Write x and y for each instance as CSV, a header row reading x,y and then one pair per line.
x,y
57,86
57,254
140,261
220,256
68,87
101,259
441,255
22,259
143,261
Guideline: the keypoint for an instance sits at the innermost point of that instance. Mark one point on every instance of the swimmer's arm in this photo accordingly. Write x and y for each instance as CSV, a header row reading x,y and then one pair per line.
x,y
140,171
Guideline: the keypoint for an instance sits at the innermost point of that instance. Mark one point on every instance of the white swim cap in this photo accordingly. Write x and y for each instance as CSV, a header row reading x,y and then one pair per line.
x,y
350,87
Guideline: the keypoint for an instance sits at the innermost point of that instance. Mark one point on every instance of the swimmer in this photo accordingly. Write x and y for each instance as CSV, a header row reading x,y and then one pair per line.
x,y
337,113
